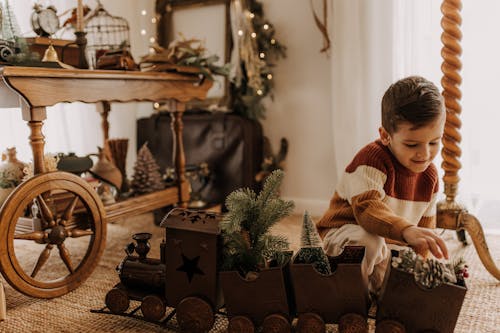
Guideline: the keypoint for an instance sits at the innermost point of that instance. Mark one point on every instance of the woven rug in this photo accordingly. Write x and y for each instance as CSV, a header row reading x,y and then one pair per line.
x,y
71,313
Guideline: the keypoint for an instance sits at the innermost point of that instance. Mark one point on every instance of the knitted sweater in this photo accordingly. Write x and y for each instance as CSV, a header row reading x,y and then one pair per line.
x,y
381,195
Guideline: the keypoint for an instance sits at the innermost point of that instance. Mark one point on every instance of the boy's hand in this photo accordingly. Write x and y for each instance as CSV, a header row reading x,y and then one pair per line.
x,y
423,239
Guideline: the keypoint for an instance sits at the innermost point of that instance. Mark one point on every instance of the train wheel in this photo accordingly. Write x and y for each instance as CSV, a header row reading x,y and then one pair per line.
x,y
310,323
117,301
153,308
276,323
240,324
54,213
195,315
353,323
389,326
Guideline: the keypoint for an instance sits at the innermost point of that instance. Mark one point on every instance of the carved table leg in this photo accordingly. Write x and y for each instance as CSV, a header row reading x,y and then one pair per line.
x,y
179,157
457,218
104,108
35,117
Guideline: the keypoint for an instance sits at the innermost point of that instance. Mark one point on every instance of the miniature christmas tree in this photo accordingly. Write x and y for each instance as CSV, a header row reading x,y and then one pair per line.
x,y
248,245
147,177
311,250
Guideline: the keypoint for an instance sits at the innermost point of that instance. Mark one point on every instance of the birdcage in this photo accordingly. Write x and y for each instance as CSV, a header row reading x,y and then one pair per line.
x,y
105,32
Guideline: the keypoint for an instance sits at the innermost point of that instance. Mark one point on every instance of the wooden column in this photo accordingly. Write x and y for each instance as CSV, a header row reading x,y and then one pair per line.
x,y
451,215
104,108
178,156
35,117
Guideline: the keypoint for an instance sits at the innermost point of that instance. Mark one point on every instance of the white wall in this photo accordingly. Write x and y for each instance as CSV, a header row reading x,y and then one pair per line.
x,y
301,110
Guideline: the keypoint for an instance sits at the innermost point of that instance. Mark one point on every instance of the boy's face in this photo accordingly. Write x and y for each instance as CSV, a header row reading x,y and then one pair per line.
x,y
415,148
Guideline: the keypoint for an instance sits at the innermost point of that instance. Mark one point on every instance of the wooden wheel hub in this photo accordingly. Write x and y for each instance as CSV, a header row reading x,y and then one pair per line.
x,y
57,235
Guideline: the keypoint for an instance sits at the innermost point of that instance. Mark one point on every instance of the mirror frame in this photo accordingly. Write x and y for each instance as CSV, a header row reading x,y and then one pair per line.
x,y
164,12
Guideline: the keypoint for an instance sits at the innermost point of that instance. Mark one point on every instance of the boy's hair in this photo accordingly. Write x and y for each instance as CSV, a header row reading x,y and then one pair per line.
x,y
413,99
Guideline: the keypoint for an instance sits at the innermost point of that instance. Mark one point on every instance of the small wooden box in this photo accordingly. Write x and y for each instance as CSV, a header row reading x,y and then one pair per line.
x,y
269,294
71,52
332,296
418,308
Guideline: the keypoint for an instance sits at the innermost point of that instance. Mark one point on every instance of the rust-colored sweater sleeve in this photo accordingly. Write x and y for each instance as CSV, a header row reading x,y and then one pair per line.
x,y
376,217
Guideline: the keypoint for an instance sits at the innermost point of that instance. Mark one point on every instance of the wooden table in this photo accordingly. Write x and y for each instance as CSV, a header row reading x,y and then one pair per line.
x,y
39,88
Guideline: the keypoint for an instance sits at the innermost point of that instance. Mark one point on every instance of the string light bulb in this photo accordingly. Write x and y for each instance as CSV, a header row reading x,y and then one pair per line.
x,y
143,12
240,32
273,41
262,55
253,35
269,76
259,92
252,15
266,26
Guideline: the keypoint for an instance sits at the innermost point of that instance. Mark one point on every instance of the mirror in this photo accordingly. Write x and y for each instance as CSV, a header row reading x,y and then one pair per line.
x,y
206,20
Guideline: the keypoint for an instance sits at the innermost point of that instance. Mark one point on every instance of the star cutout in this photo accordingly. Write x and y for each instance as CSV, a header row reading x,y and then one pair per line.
x,y
190,266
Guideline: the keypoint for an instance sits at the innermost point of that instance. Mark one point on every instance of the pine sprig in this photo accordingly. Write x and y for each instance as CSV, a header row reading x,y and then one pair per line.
x,y
248,245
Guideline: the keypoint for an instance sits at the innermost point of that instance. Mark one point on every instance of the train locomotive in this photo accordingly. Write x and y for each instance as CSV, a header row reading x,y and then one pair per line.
x,y
186,278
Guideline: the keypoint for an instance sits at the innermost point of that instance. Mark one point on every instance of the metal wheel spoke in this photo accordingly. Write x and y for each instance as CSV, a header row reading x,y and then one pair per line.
x,y
42,259
34,236
68,212
74,233
45,210
65,256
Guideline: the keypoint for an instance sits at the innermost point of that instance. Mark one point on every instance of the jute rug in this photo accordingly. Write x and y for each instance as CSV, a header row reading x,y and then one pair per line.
x,y
71,313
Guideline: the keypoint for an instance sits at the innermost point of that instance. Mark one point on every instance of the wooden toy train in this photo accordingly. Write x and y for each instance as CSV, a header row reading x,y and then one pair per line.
x,y
186,278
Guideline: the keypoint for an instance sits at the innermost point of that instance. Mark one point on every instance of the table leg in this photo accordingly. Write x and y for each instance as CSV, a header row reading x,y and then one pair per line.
x,y
460,219
37,142
104,108
179,157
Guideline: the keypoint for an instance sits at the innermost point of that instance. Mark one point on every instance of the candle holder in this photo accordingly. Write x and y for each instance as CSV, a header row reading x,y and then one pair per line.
x,y
81,42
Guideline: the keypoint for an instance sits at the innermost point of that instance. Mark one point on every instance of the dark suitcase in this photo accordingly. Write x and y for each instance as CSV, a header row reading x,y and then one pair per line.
x,y
231,145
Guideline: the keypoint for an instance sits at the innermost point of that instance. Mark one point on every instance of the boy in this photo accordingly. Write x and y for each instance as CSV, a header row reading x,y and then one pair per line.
x,y
388,191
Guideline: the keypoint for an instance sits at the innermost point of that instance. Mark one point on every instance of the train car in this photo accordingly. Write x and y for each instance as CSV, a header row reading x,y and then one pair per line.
x,y
438,308
337,298
185,277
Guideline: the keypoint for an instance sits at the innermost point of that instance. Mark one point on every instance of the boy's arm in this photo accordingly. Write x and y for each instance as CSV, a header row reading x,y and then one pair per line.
x,y
376,217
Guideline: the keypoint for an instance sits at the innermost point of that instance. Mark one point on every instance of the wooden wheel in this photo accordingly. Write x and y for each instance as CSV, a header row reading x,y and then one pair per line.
x,y
310,323
353,323
390,326
153,308
195,315
240,324
276,323
51,210
117,300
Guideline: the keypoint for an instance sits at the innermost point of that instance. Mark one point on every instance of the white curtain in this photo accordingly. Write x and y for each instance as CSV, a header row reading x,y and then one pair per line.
x,y
374,44
378,42
76,127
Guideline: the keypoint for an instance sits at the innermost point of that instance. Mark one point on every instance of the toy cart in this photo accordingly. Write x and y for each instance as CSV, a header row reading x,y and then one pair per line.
x,y
60,210
341,297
